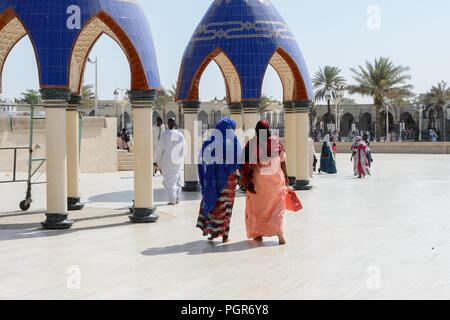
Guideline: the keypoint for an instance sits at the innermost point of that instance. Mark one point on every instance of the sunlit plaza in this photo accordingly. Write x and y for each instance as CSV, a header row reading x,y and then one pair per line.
x,y
97,107
381,238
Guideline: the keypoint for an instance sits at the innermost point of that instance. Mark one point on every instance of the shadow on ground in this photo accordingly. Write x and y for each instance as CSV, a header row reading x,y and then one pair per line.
x,y
160,195
19,231
206,247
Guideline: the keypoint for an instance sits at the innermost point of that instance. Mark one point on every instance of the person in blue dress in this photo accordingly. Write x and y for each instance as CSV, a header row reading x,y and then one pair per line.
x,y
327,161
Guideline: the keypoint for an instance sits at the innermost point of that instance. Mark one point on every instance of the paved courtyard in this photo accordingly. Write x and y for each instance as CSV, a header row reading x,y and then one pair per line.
x,y
384,237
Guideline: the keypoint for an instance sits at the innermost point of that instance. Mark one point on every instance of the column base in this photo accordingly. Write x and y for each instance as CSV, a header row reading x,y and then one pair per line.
x,y
146,215
57,222
292,181
303,185
191,186
74,204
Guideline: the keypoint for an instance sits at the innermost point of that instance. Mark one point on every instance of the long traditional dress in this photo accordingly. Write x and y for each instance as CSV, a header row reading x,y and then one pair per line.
x,y
361,162
266,189
327,162
218,181
170,152
312,154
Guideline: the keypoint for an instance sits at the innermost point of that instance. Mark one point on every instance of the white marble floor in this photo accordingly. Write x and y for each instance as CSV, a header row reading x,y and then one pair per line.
x,y
383,237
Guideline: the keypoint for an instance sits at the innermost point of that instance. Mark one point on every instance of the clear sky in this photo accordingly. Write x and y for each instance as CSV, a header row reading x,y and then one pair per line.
x,y
413,33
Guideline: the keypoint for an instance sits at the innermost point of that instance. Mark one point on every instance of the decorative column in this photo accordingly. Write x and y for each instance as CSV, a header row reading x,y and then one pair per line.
x,y
190,125
142,102
236,114
291,147
55,102
303,109
251,117
73,153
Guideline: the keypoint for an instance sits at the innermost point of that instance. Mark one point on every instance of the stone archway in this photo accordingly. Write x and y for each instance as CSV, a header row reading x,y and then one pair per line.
x,y
346,124
366,122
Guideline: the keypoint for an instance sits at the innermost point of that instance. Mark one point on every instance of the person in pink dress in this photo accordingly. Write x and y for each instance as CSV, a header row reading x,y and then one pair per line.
x,y
265,178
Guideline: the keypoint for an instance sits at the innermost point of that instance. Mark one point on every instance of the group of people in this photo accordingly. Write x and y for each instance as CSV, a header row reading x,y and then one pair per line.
x,y
361,156
124,140
224,166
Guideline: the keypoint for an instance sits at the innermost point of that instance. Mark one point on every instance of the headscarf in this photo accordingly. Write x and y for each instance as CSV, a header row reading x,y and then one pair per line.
x,y
256,151
213,175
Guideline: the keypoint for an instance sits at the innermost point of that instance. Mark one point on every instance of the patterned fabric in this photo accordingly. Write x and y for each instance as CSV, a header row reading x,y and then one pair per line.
x,y
213,175
217,222
360,149
327,160
253,151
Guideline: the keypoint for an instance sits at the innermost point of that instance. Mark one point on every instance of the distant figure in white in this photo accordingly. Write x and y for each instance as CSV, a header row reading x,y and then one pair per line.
x,y
158,130
170,152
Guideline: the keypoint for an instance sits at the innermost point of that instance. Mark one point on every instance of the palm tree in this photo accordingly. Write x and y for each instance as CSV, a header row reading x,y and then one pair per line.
x,y
439,96
265,104
326,82
383,81
88,96
31,97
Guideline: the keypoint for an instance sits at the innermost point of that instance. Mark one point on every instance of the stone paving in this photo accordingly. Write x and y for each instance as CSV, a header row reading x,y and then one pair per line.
x,y
383,237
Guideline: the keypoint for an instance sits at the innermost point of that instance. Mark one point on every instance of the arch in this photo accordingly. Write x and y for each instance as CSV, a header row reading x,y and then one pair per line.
x,y
294,87
328,118
229,72
366,122
170,114
12,30
408,120
92,30
217,116
346,123
383,121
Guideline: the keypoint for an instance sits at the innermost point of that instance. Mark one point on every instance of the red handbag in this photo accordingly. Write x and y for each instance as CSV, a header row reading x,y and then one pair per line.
x,y
292,201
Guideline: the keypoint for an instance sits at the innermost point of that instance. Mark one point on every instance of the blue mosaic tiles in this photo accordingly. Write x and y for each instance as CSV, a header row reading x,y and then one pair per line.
x,y
248,32
46,22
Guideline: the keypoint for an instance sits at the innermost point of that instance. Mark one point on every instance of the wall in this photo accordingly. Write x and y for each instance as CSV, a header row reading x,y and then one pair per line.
x,y
98,145
396,147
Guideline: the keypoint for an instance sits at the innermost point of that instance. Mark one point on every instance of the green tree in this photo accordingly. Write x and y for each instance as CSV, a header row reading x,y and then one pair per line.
x,y
31,96
383,81
266,102
327,79
347,101
88,96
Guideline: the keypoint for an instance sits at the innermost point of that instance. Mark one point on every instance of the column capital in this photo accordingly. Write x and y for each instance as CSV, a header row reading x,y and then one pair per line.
x,y
142,99
55,97
235,108
251,106
74,102
289,107
302,106
190,107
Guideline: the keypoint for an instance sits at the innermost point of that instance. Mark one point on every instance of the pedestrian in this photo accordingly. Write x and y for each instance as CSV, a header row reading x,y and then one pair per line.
x,y
218,176
265,178
327,161
359,156
170,152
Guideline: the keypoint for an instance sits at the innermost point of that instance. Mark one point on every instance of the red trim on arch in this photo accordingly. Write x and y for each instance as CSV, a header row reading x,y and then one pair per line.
x,y
139,79
5,18
193,94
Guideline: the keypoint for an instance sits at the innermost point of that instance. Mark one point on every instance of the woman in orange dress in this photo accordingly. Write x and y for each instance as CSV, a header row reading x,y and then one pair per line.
x,y
265,178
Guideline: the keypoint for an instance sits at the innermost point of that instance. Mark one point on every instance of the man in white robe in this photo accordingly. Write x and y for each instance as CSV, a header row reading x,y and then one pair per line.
x,y
312,158
158,130
170,152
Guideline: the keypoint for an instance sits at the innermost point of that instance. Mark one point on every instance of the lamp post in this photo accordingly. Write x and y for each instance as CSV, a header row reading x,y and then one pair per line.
x,y
328,97
340,93
96,82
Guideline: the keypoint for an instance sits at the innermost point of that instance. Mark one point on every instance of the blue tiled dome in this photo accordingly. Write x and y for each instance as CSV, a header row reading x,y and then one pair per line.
x,y
250,34
63,32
